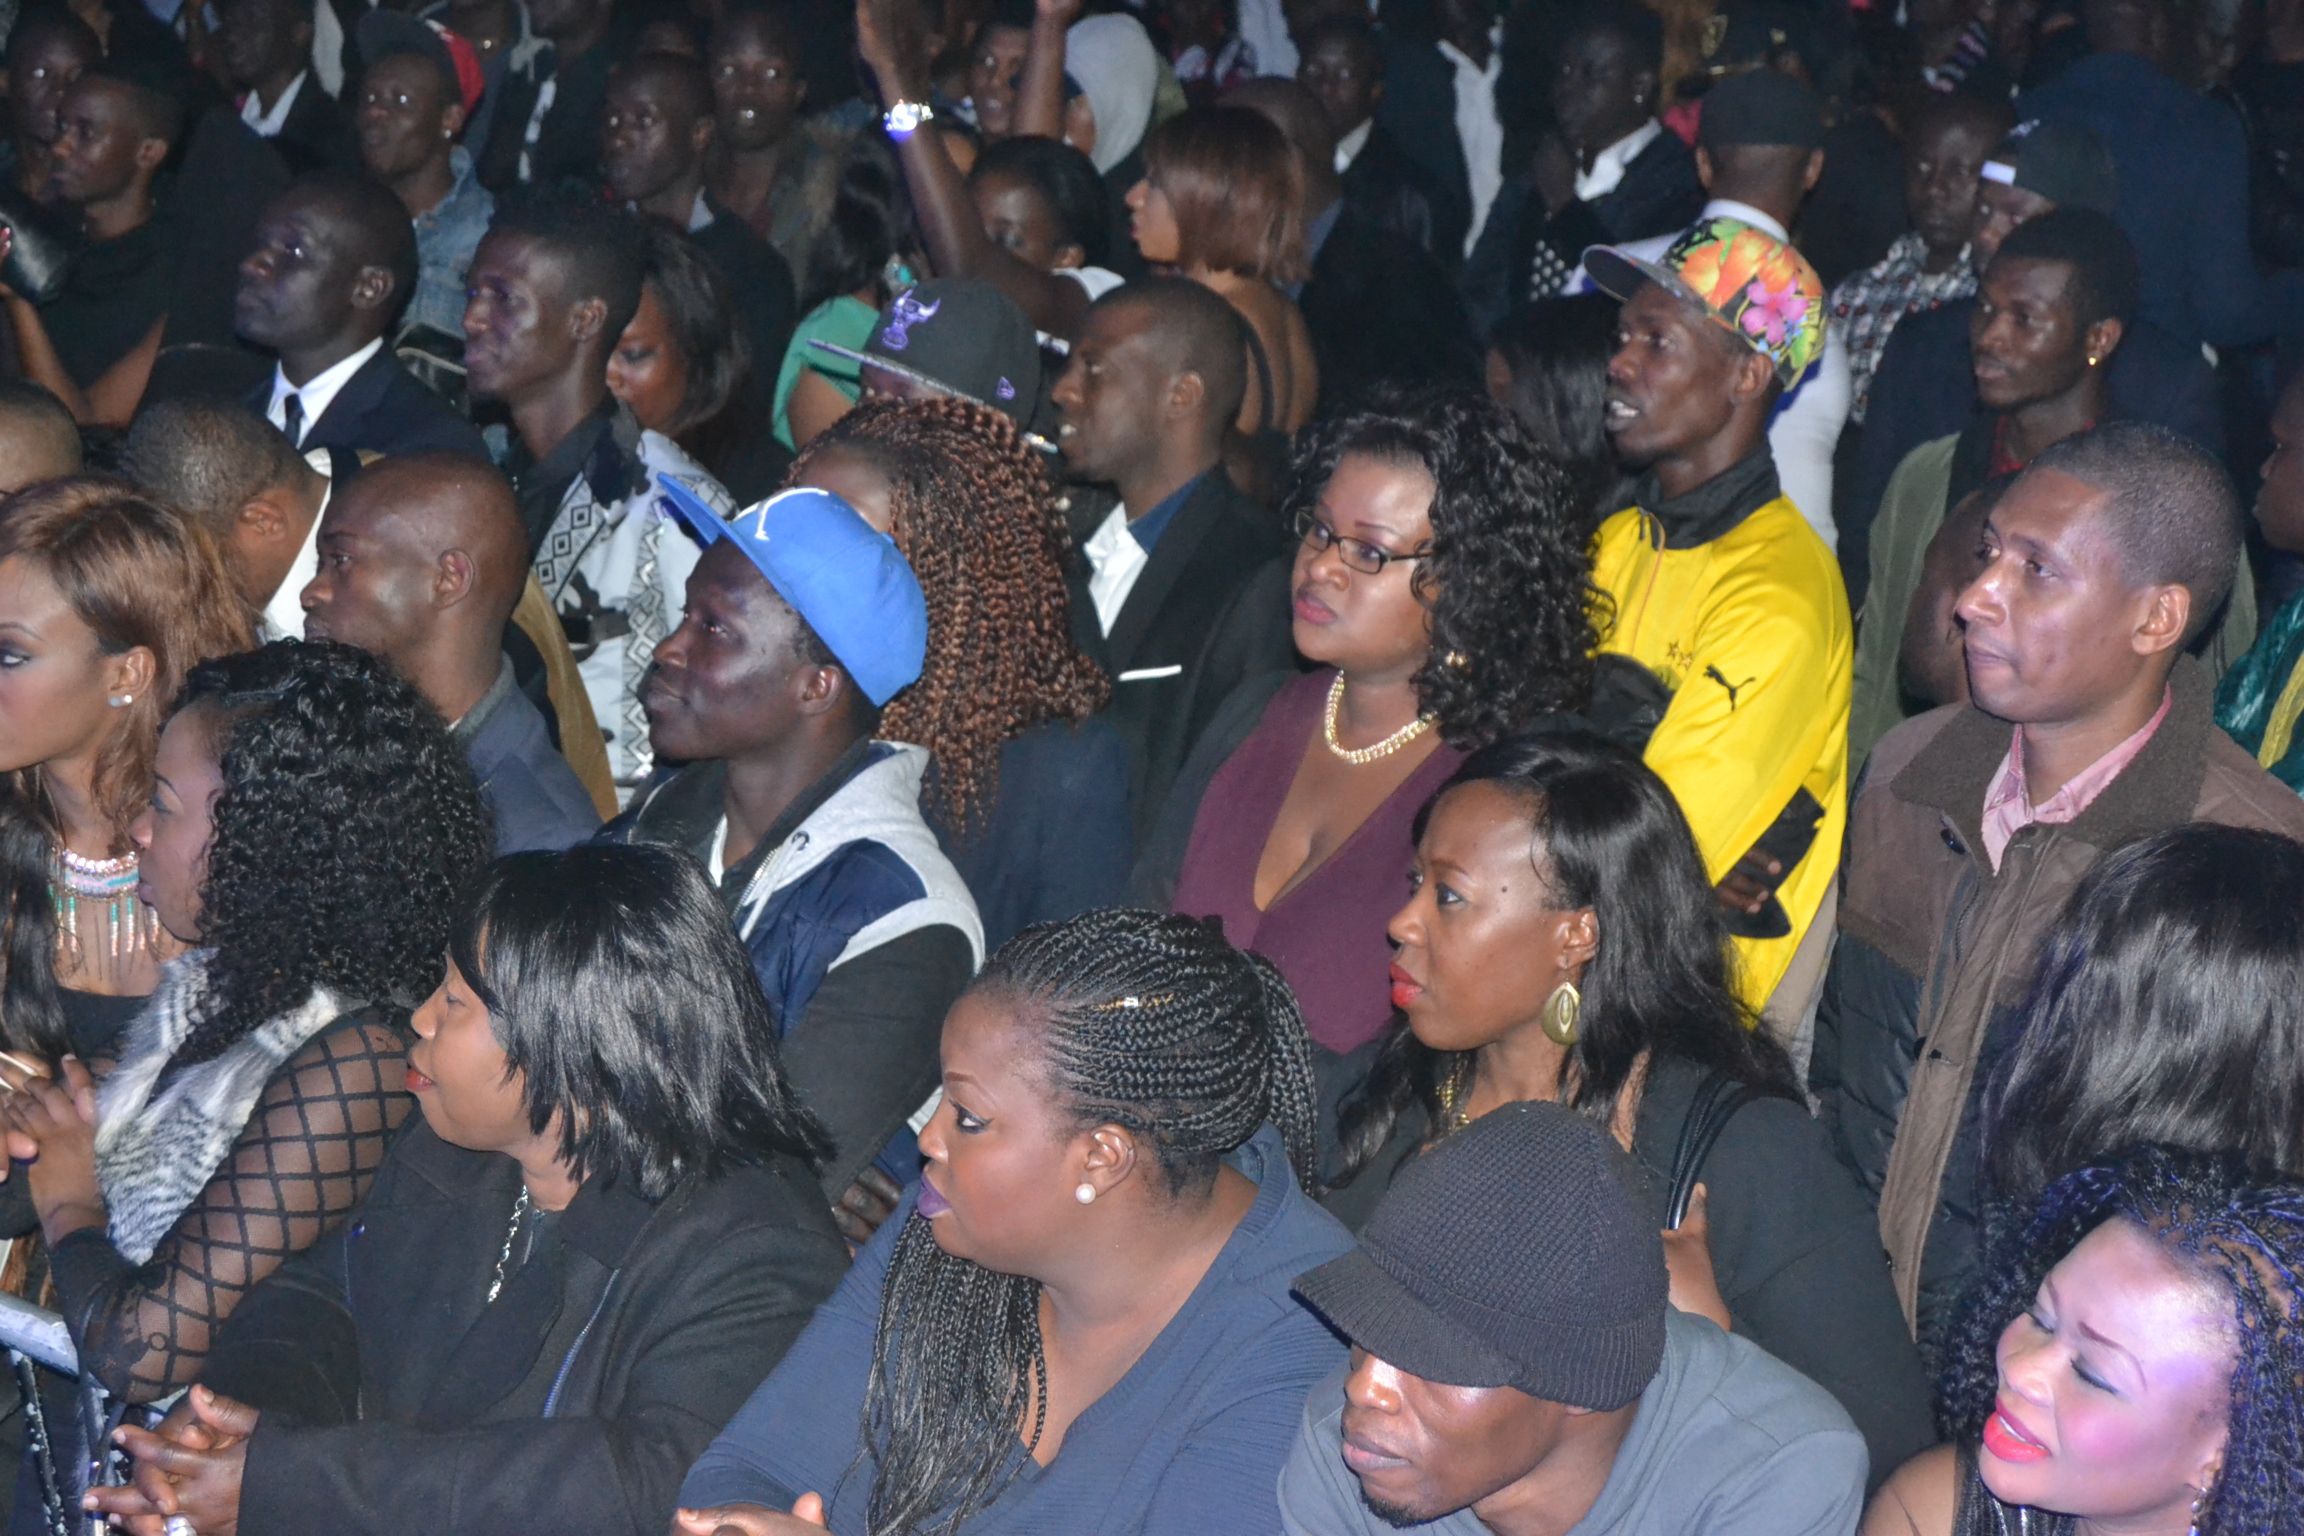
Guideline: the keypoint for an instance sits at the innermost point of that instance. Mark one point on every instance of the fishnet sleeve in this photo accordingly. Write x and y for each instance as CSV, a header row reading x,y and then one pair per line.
x,y
306,1158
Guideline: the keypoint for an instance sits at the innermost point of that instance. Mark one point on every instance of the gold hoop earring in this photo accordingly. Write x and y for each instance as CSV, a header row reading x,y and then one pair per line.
x,y
1560,1010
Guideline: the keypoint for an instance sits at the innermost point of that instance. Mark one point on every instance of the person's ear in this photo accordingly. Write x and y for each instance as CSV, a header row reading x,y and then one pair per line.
x,y
452,120
1815,171
1579,938
453,579
1070,256
823,690
1644,93
2167,614
586,320
2103,339
130,674
149,154
1187,393
700,136
262,520
1376,95
1704,167
1110,1158
372,287
1754,373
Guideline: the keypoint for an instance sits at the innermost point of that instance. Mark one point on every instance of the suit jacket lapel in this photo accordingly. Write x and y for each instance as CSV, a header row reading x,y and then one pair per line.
x,y
362,393
1162,568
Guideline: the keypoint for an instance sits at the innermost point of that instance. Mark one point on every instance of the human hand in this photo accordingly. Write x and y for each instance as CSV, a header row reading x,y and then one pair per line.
x,y
1058,14
1688,1261
888,40
199,1467
864,1205
751,1519
51,1126
1555,170
1751,884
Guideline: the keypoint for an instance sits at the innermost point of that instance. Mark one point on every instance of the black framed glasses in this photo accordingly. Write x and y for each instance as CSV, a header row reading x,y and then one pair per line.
x,y
1357,554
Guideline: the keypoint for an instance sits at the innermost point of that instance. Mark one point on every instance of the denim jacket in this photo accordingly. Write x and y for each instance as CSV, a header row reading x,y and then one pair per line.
x,y
445,240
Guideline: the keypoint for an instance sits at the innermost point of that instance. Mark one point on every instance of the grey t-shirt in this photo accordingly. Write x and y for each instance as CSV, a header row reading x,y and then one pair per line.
x,y
1729,1441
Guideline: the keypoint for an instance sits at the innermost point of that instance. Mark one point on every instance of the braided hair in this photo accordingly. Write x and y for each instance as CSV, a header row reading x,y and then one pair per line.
x,y
1150,1022
2241,1232
975,514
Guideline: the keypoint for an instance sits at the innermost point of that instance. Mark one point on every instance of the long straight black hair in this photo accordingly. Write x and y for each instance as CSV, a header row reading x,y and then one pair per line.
x,y
622,996
1608,834
2169,1007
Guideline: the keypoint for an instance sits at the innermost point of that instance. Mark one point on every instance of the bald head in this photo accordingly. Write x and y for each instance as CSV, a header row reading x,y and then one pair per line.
x,y
422,560
38,438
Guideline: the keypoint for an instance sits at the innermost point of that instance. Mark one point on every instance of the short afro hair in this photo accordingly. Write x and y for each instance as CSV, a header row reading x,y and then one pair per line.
x,y
2169,507
41,412
2105,285
156,92
1195,331
601,249
207,458
1639,29
377,222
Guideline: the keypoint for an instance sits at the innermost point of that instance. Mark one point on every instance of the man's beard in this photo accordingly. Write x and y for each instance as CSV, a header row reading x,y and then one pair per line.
x,y
1394,1515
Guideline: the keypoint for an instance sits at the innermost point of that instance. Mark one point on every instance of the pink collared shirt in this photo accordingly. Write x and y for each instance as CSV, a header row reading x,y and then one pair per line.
x,y
2008,807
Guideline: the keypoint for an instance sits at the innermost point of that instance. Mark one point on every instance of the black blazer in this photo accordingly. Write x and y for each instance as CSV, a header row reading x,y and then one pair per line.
x,y
1209,608
395,1400
1418,114
1386,187
317,133
760,286
383,409
1378,307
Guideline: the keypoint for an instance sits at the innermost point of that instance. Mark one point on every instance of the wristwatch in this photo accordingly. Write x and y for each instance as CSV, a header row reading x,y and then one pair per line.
x,y
903,118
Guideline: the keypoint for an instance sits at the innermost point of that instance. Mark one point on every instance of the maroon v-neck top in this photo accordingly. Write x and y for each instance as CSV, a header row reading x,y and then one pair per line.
x,y
1326,935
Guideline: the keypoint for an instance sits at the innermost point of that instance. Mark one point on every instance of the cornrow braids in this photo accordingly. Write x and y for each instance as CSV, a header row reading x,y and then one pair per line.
x,y
975,513
2242,1232
1153,1023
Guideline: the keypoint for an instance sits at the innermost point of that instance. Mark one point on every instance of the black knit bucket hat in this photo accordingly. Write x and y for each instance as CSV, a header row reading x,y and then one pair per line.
x,y
1510,1255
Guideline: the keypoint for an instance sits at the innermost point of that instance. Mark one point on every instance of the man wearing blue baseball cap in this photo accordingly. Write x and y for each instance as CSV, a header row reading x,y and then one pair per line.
x,y
801,622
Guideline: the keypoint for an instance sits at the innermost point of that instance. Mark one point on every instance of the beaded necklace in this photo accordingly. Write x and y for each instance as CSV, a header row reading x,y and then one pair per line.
x,y
106,890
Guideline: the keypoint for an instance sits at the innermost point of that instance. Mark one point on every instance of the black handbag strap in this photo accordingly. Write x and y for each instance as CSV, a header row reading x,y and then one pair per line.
x,y
1717,1099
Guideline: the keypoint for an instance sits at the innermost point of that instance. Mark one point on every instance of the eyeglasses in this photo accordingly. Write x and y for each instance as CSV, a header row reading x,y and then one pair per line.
x,y
1357,554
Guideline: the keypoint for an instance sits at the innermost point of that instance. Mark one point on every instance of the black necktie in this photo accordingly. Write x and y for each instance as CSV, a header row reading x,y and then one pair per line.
x,y
292,419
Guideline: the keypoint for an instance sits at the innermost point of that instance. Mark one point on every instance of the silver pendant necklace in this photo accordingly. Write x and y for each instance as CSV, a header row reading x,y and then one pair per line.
x,y
511,1236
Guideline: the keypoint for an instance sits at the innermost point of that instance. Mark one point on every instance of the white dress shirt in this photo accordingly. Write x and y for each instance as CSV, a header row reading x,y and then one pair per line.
x,y
269,124
1348,147
318,392
1115,560
1608,166
284,614
1477,127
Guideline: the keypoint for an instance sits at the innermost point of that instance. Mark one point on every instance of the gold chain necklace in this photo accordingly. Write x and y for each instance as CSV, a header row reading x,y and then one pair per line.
x,y
1357,756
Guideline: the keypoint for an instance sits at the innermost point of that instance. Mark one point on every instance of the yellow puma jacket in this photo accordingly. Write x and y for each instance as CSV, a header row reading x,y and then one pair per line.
x,y
1735,604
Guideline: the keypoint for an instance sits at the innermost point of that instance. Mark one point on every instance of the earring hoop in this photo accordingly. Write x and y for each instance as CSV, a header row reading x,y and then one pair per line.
x,y
1560,1010
1086,1193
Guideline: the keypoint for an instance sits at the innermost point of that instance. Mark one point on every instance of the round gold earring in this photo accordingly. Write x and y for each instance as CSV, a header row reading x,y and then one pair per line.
x,y
1560,1010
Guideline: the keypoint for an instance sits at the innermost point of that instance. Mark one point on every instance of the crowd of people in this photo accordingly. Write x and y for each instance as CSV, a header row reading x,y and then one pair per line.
x,y
1270,766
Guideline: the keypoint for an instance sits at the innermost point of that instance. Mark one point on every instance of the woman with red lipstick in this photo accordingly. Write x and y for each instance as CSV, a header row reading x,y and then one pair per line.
x,y
606,1228
2126,1363
1560,943
311,820
1442,589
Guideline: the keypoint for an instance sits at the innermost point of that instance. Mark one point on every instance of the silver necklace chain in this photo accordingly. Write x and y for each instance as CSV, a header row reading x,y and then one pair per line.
x,y
511,1236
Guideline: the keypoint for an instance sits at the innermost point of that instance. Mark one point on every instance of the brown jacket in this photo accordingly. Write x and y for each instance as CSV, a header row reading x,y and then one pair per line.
x,y
1935,945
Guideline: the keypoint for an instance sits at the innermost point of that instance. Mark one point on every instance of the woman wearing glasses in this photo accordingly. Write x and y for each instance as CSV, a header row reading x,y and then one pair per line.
x,y
1443,592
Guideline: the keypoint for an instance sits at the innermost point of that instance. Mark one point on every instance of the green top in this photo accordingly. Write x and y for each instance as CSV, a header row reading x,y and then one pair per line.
x,y
845,322
2253,691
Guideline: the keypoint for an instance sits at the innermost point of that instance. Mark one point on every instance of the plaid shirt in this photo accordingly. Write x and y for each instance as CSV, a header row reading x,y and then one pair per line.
x,y
1866,307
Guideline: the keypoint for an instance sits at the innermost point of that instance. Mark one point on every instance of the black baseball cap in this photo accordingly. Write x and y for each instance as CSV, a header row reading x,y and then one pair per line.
x,y
2067,163
1761,107
956,337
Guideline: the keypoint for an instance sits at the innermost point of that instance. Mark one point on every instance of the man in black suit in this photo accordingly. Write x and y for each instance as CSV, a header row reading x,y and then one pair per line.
x,y
1378,306
1343,66
653,143
1186,593
335,260
267,49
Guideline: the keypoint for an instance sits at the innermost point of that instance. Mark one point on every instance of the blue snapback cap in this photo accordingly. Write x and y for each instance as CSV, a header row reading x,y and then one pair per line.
x,y
845,577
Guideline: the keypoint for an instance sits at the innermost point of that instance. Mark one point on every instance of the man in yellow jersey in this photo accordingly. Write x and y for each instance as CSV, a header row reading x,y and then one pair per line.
x,y
1722,592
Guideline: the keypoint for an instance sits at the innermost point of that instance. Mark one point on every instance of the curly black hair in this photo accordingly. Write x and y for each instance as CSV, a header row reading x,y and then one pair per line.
x,y
1515,616
2241,1231
348,821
